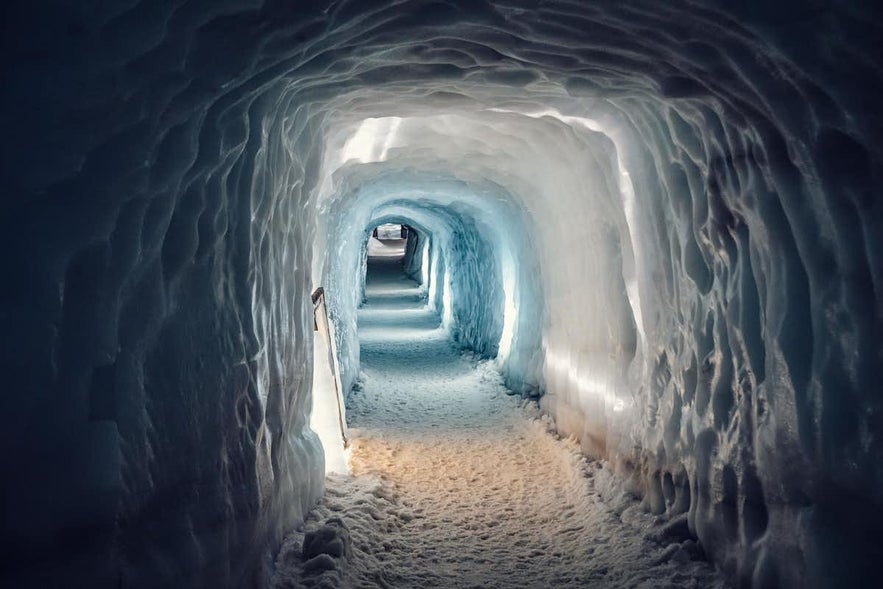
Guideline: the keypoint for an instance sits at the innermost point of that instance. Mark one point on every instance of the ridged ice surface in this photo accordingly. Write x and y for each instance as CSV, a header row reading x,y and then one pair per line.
x,y
456,484
663,217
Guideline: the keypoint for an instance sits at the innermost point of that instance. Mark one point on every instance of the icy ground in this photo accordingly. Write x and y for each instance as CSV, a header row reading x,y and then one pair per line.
x,y
457,484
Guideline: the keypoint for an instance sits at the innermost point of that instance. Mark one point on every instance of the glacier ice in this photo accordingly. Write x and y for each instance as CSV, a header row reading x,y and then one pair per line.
x,y
663,219
455,482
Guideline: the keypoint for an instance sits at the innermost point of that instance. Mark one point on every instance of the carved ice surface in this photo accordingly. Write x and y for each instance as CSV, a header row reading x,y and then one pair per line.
x,y
664,218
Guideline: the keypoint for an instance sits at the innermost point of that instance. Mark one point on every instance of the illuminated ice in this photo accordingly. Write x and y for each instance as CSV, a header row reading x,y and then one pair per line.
x,y
663,219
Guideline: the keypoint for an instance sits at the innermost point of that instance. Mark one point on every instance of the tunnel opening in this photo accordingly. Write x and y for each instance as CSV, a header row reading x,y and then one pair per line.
x,y
388,240
459,278
400,243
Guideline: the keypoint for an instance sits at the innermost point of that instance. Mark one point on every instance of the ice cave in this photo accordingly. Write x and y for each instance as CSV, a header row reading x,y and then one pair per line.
x,y
442,293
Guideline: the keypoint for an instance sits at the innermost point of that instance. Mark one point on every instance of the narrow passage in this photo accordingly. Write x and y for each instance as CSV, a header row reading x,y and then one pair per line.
x,y
457,484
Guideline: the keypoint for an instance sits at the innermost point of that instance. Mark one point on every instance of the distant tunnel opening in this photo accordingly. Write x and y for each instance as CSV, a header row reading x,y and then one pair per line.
x,y
454,256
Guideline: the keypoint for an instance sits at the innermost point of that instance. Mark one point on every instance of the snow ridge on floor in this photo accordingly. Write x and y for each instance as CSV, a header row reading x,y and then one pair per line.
x,y
457,484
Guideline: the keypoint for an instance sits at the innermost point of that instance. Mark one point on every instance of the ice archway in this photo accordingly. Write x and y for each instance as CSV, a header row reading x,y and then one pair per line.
x,y
481,254
682,202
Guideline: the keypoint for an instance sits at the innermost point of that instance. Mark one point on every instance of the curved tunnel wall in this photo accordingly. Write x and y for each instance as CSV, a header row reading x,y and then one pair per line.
x,y
417,248
481,254
162,167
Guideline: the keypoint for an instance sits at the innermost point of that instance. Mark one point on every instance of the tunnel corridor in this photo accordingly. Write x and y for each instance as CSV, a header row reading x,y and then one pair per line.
x,y
457,482
646,237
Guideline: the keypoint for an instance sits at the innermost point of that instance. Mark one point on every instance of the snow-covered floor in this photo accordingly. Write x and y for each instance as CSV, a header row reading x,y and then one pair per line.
x,y
457,484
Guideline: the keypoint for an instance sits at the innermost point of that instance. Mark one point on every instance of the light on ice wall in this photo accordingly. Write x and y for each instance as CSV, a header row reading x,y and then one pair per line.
x,y
594,388
509,310
425,270
372,140
434,278
447,301
327,411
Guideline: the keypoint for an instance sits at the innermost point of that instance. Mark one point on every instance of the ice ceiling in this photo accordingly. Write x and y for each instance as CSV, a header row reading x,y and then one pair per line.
x,y
665,217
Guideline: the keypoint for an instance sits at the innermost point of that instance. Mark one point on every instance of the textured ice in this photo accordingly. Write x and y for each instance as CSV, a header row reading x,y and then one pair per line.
x,y
456,484
673,212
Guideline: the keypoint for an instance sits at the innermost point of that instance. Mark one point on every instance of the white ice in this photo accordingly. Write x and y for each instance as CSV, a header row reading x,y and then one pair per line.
x,y
458,484
665,219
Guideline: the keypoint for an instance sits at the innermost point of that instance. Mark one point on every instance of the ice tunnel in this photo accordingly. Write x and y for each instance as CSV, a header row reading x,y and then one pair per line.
x,y
662,220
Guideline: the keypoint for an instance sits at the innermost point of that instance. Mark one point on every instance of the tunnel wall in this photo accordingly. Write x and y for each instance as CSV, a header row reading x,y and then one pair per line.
x,y
160,168
476,287
156,311
413,261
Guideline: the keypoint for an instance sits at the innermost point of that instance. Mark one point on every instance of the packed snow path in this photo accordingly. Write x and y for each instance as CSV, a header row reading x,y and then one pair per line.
x,y
457,484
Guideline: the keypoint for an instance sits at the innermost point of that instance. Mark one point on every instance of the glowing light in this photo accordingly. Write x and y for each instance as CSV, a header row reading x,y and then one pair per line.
x,y
424,265
627,191
372,140
596,386
590,124
433,284
509,311
326,418
447,311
